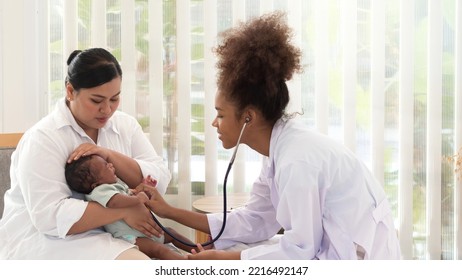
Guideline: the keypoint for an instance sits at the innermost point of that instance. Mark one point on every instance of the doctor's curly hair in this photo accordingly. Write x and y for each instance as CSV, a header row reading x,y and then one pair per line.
x,y
255,59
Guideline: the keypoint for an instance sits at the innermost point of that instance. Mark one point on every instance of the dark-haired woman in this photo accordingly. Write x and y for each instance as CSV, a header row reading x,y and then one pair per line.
x,y
324,198
42,218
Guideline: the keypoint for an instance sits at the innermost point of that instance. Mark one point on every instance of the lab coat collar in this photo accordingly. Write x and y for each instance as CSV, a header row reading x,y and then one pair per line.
x,y
276,132
64,118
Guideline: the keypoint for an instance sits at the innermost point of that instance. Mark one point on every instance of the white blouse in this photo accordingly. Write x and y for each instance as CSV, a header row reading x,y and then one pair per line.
x,y
40,208
324,198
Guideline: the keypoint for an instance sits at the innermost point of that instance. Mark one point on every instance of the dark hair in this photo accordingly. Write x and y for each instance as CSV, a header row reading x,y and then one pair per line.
x,y
91,68
79,176
255,59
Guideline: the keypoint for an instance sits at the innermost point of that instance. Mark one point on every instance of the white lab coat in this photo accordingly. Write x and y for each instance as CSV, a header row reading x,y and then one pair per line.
x,y
323,197
40,208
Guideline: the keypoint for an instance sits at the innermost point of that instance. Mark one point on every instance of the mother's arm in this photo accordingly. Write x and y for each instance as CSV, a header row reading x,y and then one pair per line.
x,y
126,167
48,199
96,216
150,163
132,154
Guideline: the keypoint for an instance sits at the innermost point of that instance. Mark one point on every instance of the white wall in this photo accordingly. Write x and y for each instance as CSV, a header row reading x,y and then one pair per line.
x,y
23,40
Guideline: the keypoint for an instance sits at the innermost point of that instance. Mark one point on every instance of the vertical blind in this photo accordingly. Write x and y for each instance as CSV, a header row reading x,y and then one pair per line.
x,y
382,77
458,129
405,160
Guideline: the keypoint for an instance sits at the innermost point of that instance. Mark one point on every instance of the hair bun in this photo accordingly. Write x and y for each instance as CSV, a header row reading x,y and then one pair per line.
x,y
72,56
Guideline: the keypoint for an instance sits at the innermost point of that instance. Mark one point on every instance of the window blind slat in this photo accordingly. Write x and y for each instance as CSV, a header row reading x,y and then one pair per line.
x,y
183,81
295,84
156,75
98,24
70,34
238,11
128,59
349,37
406,127
434,118
238,180
321,67
458,129
378,88
266,6
211,151
37,41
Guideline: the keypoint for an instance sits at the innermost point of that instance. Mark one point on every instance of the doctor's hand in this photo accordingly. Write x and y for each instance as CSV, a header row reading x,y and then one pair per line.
x,y
156,202
202,254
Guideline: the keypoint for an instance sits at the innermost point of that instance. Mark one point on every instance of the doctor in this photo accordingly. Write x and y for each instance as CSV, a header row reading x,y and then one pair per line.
x,y
324,198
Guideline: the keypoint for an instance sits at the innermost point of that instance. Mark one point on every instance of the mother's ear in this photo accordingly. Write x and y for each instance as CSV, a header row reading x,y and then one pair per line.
x,y
69,92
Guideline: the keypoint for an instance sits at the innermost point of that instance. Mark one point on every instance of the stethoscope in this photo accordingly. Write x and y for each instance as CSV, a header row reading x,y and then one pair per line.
x,y
231,161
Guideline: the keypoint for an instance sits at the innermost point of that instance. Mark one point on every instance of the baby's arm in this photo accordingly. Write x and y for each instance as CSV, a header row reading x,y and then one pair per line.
x,y
122,200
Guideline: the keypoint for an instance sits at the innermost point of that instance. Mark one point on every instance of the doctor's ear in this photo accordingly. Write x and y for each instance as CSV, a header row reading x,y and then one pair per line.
x,y
249,115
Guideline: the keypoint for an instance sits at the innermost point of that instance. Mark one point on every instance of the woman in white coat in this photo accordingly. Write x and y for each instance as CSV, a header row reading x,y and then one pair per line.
x,y
43,218
324,198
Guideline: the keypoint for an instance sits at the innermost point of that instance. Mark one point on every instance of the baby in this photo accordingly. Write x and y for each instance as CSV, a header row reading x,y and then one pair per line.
x,y
96,178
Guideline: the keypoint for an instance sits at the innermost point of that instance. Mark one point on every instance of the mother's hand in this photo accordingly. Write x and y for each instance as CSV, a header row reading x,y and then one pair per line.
x,y
140,218
87,149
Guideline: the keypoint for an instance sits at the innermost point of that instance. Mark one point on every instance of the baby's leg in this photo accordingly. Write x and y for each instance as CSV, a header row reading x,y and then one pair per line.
x,y
157,250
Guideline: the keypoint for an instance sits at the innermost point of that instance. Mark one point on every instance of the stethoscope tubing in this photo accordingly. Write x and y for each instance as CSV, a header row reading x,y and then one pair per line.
x,y
224,203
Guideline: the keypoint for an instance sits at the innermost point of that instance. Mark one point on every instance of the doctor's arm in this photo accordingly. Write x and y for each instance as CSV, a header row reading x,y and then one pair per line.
x,y
299,212
186,217
302,233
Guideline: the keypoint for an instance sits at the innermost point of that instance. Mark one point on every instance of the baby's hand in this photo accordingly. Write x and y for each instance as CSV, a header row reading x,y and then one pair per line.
x,y
150,181
146,184
142,197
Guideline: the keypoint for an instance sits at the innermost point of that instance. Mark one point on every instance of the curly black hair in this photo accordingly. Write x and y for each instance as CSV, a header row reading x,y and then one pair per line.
x,y
255,59
79,176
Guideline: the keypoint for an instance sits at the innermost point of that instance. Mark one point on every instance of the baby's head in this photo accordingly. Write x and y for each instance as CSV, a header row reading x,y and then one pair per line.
x,y
86,173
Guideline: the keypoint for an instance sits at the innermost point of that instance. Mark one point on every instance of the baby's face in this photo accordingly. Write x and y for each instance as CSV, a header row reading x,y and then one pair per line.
x,y
104,171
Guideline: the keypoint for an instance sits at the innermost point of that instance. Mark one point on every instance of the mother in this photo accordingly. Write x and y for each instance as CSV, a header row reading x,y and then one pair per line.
x,y
42,218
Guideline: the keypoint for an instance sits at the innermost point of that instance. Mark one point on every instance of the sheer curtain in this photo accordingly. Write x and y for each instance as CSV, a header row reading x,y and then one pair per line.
x,y
383,77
